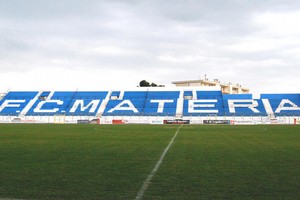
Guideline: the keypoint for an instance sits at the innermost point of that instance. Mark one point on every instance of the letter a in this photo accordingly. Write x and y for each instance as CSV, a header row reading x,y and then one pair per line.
x,y
129,106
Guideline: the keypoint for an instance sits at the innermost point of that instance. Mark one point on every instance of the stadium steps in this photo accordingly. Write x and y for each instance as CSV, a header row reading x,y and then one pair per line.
x,y
30,104
104,104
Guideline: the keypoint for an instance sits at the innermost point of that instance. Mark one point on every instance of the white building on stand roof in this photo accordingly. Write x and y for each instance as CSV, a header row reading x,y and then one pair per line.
x,y
227,88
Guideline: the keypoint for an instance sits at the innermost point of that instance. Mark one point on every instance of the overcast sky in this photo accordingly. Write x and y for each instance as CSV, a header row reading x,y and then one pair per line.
x,y
97,45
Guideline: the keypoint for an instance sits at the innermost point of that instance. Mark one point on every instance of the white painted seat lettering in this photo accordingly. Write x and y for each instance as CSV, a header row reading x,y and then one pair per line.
x,y
125,105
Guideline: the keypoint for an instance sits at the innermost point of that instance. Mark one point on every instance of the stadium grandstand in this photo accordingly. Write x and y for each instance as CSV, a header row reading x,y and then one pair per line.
x,y
151,105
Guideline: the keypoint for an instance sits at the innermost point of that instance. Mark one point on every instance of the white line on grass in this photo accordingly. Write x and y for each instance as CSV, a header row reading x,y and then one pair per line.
x,y
152,173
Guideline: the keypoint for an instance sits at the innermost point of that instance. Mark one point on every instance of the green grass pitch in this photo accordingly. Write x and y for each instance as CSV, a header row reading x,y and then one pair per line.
x,y
46,161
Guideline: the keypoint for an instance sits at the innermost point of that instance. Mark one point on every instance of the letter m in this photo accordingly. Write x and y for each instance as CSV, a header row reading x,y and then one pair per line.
x,y
80,103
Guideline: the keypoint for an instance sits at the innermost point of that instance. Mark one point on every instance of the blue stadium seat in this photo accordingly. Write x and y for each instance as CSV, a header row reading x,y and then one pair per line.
x,y
15,101
148,102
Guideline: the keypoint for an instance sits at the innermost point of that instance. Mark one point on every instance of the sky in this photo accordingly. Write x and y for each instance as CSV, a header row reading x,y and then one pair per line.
x,y
114,44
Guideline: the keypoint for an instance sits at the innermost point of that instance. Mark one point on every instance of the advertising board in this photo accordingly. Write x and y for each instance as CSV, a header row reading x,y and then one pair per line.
x,y
216,121
177,121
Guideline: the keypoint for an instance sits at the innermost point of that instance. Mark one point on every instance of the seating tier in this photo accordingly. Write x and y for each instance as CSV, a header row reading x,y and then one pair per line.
x,y
145,102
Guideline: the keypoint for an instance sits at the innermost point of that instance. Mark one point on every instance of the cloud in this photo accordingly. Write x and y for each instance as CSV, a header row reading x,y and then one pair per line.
x,y
252,43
